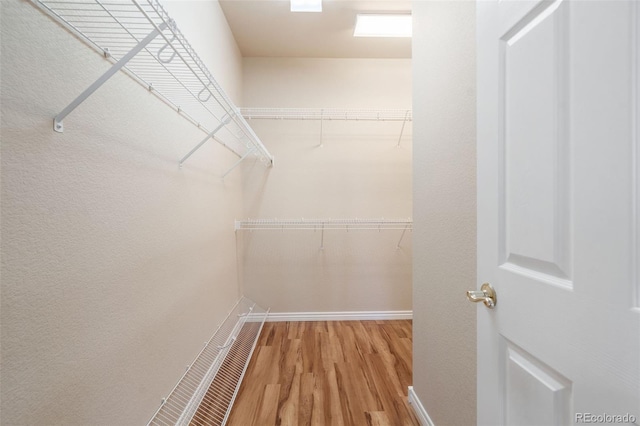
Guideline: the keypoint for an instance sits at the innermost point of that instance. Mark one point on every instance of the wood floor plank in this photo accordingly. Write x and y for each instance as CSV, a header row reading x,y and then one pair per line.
x,y
378,418
340,373
306,404
318,413
353,411
268,410
378,369
289,404
362,340
333,404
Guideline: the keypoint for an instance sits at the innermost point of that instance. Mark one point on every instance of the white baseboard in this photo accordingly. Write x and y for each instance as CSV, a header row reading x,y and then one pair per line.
x,y
419,409
339,316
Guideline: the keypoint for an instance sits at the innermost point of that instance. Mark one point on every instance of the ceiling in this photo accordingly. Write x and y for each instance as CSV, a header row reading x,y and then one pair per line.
x,y
269,28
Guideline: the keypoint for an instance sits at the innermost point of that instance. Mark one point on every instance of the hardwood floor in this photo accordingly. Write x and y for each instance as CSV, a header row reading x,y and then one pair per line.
x,y
329,373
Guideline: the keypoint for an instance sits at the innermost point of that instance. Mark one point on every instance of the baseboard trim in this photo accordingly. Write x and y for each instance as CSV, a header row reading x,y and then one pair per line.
x,y
419,409
339,316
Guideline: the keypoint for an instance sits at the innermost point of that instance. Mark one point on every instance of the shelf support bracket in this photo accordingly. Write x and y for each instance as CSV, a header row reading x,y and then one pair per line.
x,y
321,122
223,122
57,121
406,115
402,236
238,162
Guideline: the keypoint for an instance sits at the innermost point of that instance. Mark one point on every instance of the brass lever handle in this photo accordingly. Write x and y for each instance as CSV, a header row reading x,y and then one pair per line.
x,y
486,294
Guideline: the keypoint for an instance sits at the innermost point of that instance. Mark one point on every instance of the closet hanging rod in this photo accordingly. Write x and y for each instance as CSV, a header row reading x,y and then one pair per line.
x,y
342,114
323,224
140,37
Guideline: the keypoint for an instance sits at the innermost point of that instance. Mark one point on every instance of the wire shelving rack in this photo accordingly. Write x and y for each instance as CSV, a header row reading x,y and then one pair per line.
x,y
140,38
207,390
317,224
322,225
330,114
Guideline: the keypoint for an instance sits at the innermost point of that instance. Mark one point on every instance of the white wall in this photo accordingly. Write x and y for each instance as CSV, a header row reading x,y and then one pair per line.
x,y
444,197
359,172
116,264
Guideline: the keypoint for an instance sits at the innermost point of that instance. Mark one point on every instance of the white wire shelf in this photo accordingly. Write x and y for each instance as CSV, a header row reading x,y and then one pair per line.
x,y
319,224
322,225
206,392
140,38
343,114
330,114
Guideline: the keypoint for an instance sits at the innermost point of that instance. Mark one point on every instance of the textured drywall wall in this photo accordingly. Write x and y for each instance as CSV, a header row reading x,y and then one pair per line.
x,y
116,264
444,206
359,172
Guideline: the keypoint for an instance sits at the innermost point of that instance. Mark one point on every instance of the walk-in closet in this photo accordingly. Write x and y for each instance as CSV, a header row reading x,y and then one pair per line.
x,y
274,212
209,213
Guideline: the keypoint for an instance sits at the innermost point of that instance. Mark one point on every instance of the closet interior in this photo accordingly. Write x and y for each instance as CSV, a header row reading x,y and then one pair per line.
x,y
332,185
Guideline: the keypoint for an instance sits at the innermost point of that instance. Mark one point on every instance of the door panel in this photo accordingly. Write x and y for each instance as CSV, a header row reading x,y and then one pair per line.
x,y
558,203
535,221
534,394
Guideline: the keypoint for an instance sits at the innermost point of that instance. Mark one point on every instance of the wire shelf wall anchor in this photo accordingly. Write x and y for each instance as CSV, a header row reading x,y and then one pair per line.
x,y
140,38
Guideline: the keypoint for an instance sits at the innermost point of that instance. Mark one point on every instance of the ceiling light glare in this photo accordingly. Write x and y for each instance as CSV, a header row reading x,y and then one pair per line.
x,y
306,5
394,25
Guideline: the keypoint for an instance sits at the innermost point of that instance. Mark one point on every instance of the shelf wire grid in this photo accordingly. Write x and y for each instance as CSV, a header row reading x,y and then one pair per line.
x,y
206,392
323,224
338,114
168,66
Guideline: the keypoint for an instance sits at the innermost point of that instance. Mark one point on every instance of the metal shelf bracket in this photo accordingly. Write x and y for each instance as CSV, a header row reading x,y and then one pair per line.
x,y
58,126
223,122
406,115
141,39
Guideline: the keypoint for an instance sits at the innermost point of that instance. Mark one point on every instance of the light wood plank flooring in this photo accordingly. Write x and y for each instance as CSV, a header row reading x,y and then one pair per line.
x,y
329,373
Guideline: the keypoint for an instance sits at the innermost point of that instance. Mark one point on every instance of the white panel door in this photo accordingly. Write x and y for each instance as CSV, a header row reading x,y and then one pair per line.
x,y
558,202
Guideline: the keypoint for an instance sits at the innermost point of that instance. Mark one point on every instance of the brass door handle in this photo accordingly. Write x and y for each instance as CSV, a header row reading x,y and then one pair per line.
x,y
486,294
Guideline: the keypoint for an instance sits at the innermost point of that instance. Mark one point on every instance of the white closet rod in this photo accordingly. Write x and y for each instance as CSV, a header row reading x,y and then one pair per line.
x,y
344,114
139,37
